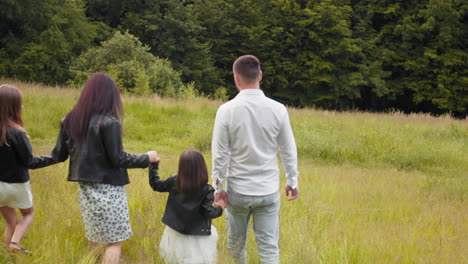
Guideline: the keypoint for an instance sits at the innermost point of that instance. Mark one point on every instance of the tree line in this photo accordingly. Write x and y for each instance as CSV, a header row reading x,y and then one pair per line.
x,y
376,55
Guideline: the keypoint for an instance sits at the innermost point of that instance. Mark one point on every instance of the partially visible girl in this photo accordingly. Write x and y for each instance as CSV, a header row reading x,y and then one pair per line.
x,y
15,160
189,236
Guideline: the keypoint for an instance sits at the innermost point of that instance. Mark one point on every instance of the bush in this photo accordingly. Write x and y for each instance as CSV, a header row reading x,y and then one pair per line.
x,y
134,69
221,94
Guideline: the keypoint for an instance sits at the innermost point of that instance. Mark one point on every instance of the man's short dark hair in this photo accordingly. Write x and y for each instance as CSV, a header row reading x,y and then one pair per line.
x,y
248,68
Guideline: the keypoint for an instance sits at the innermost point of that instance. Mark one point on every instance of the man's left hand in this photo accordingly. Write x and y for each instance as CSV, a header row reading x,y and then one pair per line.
x,y
293,192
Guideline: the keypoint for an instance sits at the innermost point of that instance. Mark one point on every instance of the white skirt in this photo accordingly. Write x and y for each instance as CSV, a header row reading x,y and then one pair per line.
x,y
178,248
16,195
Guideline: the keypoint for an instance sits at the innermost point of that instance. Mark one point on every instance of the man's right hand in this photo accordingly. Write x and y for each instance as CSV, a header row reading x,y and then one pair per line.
x,y
221,202
222,195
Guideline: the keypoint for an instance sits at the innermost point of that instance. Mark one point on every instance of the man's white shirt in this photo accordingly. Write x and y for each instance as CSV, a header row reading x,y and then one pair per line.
x,y
249,132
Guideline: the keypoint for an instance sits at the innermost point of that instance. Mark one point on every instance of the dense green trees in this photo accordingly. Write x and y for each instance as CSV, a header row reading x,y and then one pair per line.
x,y
39,39
373,55
421,45
128,61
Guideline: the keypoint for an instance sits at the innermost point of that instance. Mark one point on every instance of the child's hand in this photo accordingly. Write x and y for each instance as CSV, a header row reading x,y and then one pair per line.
x,y
153,156
222,202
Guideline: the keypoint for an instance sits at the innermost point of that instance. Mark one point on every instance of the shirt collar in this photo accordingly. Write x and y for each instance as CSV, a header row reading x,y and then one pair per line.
x,y
250,92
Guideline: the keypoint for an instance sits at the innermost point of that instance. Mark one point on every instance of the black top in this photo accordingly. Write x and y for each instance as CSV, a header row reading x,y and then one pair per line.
x,y
16,158
99,157
189,213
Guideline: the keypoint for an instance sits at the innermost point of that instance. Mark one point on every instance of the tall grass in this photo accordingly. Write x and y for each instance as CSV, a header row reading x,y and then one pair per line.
x,y
375,188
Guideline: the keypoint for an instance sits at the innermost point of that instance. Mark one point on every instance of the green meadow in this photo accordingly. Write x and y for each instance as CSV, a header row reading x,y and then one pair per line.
x,y
374,188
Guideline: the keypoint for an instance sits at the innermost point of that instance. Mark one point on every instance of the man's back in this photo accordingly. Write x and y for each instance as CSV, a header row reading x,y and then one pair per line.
x,y
253,128
248,133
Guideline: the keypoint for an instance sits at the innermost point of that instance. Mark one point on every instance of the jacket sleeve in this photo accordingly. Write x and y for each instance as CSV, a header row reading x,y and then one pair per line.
x,y
156,183
23,151
60,151
207,209
118,158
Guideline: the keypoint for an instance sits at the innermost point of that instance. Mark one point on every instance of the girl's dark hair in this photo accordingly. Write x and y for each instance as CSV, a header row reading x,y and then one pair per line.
x,y
192,174
100,95
11,103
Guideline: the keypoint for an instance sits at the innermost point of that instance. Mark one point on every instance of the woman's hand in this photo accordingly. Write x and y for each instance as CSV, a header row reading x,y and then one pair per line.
x,y
153,156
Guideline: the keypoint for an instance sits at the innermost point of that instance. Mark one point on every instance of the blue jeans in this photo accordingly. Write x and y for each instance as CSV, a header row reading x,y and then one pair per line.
x,y
264,210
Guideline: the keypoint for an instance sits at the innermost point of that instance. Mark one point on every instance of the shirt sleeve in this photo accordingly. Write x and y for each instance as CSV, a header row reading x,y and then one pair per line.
x,y
288,151
220,149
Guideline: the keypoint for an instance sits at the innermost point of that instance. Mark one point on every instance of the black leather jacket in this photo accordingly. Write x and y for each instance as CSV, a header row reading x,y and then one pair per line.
x,y
100,157
187,213
16,158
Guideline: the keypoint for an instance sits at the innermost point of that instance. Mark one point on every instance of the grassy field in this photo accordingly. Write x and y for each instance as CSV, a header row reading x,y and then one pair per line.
x,y
375,188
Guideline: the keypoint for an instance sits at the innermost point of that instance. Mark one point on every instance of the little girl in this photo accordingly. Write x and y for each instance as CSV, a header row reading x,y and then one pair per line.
x,y
15,159
189,236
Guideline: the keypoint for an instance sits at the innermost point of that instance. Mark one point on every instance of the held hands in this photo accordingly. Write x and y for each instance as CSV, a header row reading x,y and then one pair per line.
x,y
153,156
294,192
221,199
222,203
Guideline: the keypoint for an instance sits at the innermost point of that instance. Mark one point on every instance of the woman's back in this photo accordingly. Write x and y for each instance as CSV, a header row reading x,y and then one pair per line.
x,y
98,157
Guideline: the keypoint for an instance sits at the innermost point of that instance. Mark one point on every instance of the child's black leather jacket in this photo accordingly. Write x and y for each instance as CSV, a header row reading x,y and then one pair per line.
x,y
16,158
187,213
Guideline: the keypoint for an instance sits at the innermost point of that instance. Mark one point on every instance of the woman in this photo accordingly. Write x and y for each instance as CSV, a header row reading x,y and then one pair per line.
x,y
15,160
91,134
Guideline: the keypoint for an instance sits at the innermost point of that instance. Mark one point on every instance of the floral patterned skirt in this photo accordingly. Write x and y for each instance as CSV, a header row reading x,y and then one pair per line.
x,y
104,209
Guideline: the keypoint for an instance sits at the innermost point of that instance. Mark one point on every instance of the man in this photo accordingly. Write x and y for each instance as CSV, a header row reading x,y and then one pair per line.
x,y
248,133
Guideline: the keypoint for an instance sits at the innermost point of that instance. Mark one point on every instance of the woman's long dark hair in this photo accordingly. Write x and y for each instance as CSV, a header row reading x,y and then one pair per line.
x,y
192,174
100,95
11,103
